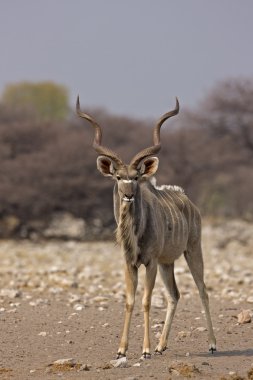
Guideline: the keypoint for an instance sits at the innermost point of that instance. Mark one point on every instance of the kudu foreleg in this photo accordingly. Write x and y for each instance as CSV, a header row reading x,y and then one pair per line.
x,y
151,271
131,278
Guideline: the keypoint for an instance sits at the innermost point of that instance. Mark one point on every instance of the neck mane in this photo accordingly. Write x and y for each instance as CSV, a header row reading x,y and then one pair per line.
x,y
129,220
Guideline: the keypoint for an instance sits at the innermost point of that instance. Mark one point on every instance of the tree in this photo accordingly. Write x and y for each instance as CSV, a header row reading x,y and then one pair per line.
x,y
44,101
223,149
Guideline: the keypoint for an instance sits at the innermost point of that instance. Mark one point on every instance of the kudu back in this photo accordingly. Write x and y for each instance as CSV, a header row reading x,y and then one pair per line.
x,y
155,225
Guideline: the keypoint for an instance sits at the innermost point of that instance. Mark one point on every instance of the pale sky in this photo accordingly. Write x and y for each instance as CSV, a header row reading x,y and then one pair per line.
x,y
130,57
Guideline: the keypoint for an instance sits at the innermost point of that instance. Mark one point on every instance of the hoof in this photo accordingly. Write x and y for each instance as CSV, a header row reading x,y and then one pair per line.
x,y
146,355
160,352
120,355
212,348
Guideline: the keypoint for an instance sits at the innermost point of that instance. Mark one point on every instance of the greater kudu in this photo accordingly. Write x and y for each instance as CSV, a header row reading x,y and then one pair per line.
x,y
155,225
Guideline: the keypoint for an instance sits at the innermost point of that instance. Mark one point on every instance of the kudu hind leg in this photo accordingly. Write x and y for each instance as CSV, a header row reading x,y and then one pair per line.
x,y
194,260
131,278
167,274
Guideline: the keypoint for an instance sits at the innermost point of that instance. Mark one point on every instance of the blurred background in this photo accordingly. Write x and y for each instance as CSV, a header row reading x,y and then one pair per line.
x,y
127,61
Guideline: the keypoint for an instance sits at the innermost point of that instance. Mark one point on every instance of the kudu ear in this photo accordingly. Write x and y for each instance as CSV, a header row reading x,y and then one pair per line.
x,y
105,166
149,166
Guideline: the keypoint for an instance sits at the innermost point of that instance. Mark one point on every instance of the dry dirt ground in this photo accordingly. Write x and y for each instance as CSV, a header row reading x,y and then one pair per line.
x,y
62,300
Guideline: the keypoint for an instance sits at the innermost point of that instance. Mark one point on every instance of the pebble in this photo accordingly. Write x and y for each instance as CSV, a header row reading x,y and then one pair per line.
x,y
156,326
201,329
85,367
39,301
184,369
14,310
74,298
183,334
100,299
157,302
42,333
244,317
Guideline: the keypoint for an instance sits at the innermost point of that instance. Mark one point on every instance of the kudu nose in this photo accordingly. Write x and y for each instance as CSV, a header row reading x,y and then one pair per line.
x,y
127,191
129,196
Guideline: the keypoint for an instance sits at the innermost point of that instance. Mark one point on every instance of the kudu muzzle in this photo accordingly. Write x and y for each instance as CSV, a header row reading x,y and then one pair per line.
x,y
127,188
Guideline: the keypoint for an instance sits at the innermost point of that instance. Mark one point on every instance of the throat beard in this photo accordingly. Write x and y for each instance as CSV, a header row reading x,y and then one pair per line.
x,y
126,233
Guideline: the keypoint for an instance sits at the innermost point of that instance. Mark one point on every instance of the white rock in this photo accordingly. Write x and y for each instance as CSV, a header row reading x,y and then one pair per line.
x,y
42,333
201,329
250,299
69,361
11,293
78,307
119,363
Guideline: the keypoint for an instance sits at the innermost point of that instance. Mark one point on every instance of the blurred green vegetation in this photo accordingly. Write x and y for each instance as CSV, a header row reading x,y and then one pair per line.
x,y
44,101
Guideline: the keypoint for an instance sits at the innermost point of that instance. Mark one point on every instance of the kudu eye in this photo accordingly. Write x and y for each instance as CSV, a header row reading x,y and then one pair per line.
x,y
118,177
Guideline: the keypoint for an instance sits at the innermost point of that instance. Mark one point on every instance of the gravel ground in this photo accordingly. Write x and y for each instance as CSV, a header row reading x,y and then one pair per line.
x,y
62,307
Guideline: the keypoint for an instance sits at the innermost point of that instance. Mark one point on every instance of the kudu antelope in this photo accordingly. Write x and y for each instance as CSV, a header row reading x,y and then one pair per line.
x,y
155,225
